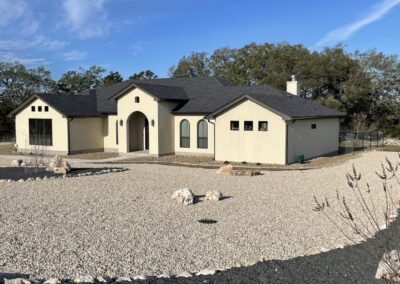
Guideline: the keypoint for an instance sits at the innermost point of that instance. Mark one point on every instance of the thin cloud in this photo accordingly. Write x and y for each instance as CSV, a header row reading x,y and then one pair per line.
x,y
10,11
74,55
347,31
87,18
11,57
40,41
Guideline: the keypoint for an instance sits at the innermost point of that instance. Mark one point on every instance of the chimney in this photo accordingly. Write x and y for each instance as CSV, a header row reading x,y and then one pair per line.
x,y
293,86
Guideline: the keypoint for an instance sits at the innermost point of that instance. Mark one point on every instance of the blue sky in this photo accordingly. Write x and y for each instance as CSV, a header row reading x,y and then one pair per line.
x,y
129,35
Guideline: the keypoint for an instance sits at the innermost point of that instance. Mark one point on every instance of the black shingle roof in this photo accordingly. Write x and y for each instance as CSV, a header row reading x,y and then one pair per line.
x,y
203,95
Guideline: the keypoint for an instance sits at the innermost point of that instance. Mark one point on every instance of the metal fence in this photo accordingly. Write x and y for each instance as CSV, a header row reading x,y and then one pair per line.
x,y
350,141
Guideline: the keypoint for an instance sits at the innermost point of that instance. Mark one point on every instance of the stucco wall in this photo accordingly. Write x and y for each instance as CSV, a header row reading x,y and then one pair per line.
x,y
109,133
250,146
193,120
166,127
86,134
59,129
310,142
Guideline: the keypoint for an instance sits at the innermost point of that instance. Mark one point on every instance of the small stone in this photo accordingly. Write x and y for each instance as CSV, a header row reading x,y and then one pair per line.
x,y
164,275
225,170
23,164
183,196
389,260
52,281
139,277
84,279
102,279
185,274
16,163
17,281
38,178
21,180
123,279
213,195
30,179
339,247
206,272
324,249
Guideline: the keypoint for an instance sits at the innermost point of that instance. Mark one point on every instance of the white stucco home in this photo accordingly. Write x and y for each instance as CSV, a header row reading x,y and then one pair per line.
x,y
208,116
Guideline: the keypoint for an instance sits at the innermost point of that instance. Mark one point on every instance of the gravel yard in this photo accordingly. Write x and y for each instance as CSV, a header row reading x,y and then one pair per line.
x,y
124,224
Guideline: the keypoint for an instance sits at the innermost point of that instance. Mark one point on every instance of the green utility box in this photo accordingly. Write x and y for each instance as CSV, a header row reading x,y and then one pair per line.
x,y
300,159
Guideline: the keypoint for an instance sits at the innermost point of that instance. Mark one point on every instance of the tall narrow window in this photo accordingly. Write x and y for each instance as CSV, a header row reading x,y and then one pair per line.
x,y
185,134
40,132
202,134
33,108
116,132
39,108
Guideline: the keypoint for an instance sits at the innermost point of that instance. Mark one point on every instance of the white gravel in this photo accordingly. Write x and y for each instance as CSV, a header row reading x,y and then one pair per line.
x,y
125,224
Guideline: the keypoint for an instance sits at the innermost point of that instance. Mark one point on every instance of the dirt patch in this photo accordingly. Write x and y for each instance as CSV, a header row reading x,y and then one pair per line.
x,y
93,156
390,148
6,149
208,162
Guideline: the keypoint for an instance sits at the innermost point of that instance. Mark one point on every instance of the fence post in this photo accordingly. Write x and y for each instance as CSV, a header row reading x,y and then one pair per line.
x,y
370,141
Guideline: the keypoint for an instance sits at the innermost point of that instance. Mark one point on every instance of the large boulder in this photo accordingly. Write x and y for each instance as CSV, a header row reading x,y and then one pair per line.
x,y
183,196
59,165
213,195
16,163
225,170
389,266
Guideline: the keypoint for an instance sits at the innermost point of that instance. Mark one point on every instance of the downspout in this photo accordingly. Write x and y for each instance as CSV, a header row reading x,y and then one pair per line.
x,y
69,119
213,123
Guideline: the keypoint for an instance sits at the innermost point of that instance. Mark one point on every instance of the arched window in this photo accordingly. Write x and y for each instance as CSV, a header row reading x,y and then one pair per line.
x,y
185,134
202,134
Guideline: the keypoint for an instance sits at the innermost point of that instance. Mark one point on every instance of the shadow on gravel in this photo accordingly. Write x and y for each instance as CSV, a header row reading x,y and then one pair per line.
x,y
352,264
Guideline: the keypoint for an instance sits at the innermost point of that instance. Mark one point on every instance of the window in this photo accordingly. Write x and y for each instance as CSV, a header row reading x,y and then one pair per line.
x,y
185,134
263,126
33,108
39,108
234,125
202,134
46,108
116,132
248,126
137,99
313,126
40,132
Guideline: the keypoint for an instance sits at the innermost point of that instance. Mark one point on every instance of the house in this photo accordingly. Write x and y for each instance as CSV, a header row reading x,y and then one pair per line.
x,y
206,116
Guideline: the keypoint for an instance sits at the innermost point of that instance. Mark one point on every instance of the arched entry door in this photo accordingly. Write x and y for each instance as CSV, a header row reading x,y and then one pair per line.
x,y
138,132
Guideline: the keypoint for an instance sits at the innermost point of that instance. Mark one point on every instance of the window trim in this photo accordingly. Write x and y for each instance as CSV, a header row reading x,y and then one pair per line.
x,y
259,125
181,138
238,127
252,125
205,138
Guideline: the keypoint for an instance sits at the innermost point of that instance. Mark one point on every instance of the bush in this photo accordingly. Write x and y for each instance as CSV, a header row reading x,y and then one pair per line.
x,y
394,131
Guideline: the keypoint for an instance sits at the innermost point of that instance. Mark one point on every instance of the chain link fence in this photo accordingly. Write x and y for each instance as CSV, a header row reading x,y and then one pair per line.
x,y
350,141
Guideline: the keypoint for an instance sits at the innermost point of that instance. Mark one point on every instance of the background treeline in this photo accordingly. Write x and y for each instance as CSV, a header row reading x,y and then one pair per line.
x,y
364,85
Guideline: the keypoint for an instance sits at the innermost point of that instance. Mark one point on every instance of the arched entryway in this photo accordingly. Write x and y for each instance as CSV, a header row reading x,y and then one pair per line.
x,y
138,132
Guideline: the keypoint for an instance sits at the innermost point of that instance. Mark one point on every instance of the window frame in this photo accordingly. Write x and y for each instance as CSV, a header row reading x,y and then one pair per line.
x,y
259,125
116,132
137,100
40,108
238,125
313,126
33,109
46,108
252,125
202,139
184,139
35,139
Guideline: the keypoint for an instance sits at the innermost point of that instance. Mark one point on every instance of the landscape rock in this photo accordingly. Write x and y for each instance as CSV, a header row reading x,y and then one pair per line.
x,y
59,165
139,277
206,272
183,196
102,279
185,274
164,275
123,279
84,279
389,263
52,281
17,281
225,170
213,196
16,163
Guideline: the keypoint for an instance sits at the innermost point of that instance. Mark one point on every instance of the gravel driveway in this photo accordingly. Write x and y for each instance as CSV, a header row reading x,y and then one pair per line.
x,y
123,224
